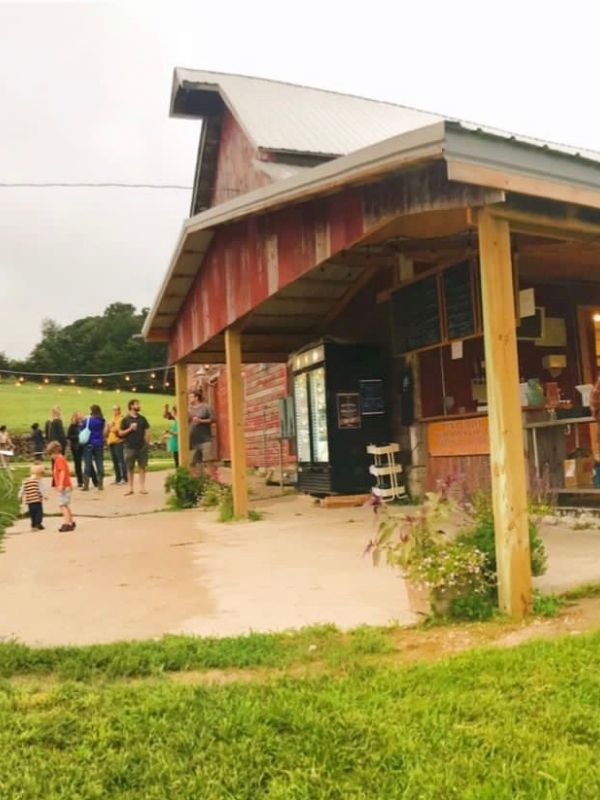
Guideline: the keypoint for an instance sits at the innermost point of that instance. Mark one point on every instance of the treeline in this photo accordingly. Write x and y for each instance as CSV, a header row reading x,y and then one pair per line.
x,y
110,342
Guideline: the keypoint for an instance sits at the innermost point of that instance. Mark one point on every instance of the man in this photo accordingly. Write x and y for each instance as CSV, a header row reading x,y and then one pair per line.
x,y
134,433
201,418
115,445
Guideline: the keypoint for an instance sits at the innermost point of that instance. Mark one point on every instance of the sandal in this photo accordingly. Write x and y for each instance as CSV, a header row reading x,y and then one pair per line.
x,y
65,528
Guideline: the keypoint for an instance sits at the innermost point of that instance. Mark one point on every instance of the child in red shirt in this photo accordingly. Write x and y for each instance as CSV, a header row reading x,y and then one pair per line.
x,y
62,482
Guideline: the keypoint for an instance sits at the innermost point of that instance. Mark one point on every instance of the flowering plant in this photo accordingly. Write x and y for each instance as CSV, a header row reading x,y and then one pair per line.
x,y
416,542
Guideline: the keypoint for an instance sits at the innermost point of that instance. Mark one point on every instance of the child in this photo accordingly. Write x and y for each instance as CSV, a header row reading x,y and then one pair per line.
x,y
32,493
7,447
62,482
38,442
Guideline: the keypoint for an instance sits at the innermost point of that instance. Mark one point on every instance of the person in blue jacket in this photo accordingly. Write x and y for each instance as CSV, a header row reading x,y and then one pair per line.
x,y
93,450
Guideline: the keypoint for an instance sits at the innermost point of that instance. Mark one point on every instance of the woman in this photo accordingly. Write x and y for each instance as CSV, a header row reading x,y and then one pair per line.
x,y
93,450
55,431
172,436
7,447
76,448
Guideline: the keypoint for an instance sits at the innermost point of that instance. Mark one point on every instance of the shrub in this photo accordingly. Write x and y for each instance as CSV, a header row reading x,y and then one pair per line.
x,y
184,488
481,536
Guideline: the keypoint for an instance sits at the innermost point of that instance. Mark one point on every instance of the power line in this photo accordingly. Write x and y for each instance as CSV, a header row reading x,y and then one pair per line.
x,y
63,185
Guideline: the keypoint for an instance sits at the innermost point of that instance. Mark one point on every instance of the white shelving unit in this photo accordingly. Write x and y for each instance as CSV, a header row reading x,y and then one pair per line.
x,y
386,471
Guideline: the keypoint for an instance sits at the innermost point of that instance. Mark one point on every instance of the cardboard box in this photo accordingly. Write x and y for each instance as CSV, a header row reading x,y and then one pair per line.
x,y
578,472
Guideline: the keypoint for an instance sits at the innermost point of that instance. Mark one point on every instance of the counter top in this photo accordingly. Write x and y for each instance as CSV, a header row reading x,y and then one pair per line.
x,y
550,423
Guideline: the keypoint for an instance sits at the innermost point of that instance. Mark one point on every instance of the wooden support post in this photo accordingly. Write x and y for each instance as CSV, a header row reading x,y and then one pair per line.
x,y
509,490
235,405
181,395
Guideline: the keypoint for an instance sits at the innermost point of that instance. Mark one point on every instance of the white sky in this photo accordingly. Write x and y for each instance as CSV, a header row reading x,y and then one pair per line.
x,y
84,96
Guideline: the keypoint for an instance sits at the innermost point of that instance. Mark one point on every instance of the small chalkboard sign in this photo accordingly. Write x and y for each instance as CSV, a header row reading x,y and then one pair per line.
x,y
532,327
458,299
416,316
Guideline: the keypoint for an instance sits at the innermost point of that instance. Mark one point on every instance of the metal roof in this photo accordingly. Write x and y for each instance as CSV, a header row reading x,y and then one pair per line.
x,y
285,117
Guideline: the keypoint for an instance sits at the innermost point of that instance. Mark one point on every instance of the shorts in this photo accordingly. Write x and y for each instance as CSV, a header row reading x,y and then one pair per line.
x,y
202,452
140,456
64,498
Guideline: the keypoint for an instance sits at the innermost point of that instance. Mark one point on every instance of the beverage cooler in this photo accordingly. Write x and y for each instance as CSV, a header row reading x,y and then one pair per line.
x,y
340,409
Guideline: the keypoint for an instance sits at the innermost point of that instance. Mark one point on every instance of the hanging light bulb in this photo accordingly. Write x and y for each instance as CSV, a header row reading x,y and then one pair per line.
x,y
153,374
99,380
133,389
167,384
46,380
151,386
71,380
21,379
127,378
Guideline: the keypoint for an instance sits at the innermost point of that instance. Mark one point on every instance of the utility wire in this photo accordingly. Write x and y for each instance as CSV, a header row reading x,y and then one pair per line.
x,y
57,185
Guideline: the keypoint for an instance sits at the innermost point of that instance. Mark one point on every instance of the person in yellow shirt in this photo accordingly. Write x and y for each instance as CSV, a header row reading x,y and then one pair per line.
x,y
115,445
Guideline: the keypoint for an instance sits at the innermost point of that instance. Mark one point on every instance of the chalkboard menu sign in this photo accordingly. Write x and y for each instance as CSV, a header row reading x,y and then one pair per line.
x,y
458,299
416,316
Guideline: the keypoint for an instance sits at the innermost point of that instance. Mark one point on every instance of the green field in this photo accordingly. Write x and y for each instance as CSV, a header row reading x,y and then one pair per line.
x,y
111,722
22,405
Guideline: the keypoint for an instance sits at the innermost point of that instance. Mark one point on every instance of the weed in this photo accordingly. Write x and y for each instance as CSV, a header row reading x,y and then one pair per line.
x,y
547,605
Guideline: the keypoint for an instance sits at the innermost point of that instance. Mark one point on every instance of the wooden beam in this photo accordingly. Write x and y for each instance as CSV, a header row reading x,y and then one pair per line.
x,y
509,492
564,225
181,394
235,405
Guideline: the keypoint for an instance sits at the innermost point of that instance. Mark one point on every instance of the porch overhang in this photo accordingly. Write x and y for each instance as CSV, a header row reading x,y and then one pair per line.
x,y
277,261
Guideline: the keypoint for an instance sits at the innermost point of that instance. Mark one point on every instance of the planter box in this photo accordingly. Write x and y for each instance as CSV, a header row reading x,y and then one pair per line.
x,y
424,603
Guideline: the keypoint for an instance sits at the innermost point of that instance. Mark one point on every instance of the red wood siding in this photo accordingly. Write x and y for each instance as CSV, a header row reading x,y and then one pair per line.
x,y
236,169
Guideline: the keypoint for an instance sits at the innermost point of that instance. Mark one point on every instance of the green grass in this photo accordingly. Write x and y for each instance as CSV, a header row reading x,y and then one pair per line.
x,y
22,405
487,725
10,480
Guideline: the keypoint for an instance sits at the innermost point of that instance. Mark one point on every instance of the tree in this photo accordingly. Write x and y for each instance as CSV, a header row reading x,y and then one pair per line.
x,y
96,344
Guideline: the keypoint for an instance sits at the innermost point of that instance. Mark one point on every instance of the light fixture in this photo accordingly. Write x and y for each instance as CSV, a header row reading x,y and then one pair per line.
x,y
151,386
153,374
71,380
127,378
167,384
46,380
99,380
596,317
133,389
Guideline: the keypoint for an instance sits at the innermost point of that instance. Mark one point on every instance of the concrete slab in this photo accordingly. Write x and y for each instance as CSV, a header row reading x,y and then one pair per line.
x,y
141,576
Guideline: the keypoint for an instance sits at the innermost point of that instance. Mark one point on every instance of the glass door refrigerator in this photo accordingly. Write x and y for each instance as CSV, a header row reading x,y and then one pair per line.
x,y
339,408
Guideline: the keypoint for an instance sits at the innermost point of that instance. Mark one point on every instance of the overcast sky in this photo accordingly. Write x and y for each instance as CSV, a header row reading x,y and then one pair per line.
x,y
84,96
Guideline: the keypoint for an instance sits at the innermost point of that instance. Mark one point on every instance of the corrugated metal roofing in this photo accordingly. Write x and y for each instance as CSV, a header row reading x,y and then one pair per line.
x,y
283,116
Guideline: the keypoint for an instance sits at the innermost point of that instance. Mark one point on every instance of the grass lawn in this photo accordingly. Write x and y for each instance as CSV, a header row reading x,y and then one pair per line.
x,y
487,725
22,405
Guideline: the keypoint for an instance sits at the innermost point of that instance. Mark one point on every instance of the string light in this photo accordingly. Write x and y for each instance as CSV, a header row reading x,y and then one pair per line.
x,y
127,378
71,380
99,380
46,380
153,374
133,389
151,386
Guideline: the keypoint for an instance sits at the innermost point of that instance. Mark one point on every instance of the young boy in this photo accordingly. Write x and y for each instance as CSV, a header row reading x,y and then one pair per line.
x,y
62,482
38,442
32,493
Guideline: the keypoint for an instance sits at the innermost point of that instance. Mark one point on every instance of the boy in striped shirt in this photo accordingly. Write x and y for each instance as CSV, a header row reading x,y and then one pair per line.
x,y
32,493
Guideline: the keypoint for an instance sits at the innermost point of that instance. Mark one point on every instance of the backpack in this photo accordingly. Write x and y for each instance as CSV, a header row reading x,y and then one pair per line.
x,y
85,433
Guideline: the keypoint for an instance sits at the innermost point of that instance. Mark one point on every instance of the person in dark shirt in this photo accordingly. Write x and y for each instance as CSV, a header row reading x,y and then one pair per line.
x,y
134,432
54,431
38,442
